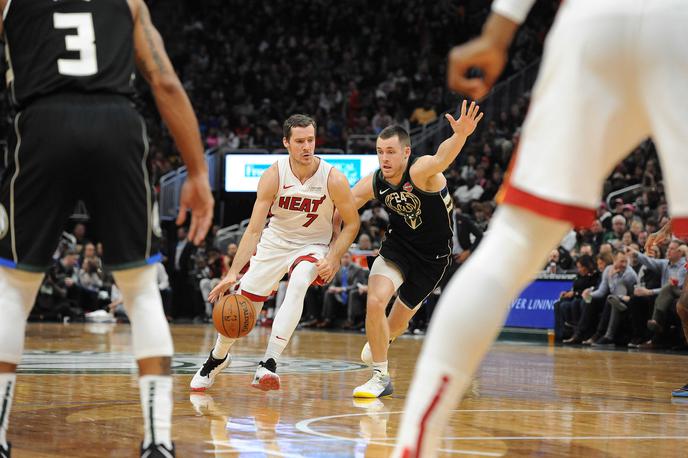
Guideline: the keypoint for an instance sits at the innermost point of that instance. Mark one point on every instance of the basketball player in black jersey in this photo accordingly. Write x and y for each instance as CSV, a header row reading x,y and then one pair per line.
x,y
76,135
416,251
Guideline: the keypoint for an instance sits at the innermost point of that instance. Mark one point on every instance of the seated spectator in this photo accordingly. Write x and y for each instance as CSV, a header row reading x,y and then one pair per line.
x,y
424,114
592,306
673,276
58,296
617,283
641,305
468,192
618,229
568,308
339,295
552,265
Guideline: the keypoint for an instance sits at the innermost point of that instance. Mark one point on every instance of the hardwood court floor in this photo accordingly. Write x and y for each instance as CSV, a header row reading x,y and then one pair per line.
x,y
77,396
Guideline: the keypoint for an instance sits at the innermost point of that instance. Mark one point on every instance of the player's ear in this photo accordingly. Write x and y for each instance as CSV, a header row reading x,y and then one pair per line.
x,y
407,152
285,142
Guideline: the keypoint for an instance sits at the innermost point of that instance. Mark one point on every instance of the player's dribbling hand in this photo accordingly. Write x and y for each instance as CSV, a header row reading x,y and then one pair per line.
x,y
222,287
196,196
327,269
468,120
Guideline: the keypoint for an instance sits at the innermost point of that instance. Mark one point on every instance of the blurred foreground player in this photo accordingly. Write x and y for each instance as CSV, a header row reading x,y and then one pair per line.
x,y
613,73
76,135
300,193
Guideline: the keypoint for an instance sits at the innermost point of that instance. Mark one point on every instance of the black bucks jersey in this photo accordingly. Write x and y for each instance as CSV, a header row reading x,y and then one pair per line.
x,y
76,135
419,221
419,235
81,46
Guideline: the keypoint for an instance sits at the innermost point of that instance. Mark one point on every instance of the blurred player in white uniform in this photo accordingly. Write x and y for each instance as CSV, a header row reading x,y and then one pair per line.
x,y
300,193
613,73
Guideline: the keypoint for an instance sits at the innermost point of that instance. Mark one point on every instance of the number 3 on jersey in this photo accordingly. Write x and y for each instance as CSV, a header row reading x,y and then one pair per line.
x,y
83,42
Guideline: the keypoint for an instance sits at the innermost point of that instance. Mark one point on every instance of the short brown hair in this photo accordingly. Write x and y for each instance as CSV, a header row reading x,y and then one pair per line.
x,y
297,120
396,130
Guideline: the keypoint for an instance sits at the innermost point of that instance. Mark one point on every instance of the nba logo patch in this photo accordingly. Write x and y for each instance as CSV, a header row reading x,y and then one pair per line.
x,y
407,187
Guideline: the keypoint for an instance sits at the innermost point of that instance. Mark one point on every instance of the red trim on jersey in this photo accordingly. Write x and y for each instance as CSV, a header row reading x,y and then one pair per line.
x,y
578,216
679,227
309,258
254,297
435,400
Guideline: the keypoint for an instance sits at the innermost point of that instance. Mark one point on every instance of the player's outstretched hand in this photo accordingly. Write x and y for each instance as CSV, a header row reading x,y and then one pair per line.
x,y
196,196
327,269
222,287
468,120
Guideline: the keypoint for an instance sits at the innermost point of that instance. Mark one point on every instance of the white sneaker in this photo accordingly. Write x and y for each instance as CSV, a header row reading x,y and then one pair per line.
x,y
205,377
379,385
367,354
266,378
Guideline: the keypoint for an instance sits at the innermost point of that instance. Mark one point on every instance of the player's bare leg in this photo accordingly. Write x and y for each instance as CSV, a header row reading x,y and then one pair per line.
x,y
380,291
17,293
398,320
465,323
286,320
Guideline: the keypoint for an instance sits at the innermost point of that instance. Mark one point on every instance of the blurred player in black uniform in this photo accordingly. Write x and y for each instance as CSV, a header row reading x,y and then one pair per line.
x,y
76,135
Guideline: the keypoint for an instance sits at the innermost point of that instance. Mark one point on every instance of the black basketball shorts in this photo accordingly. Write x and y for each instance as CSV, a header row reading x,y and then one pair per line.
x,y
422,274
69,147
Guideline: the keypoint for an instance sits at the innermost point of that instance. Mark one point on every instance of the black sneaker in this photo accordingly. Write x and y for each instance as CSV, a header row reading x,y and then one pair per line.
x,y
157,451
266,378
5,452
205,376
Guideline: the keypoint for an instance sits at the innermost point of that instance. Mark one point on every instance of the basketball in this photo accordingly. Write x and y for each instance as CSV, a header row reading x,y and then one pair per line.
x,y
234,316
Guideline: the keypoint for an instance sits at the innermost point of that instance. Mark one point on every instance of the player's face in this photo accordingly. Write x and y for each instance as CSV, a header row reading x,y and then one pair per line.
x,y
392,156
301,144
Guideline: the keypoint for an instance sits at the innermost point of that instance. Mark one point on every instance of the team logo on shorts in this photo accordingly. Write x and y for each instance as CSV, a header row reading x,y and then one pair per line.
x,y
407,205
408,187
4,222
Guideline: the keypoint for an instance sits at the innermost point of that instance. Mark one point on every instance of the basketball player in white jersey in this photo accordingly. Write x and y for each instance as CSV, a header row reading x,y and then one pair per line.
x,y
613,73
301,192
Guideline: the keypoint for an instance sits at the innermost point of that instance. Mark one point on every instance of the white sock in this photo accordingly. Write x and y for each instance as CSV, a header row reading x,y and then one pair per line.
x,y
289,314
467,319
382,367
223,344
156,403
7,382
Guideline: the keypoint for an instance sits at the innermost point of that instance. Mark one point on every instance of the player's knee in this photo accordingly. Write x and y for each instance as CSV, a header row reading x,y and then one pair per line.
x,y
143,304
376,304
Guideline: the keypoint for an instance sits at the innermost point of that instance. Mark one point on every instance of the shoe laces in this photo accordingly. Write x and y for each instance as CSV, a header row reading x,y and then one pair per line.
x,y
210,364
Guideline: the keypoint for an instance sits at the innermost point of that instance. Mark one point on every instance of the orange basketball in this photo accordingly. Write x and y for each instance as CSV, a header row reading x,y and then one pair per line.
x,y
234,316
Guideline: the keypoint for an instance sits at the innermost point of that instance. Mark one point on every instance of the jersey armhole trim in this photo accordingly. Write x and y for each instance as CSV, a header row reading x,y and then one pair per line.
x,y
6,10
375,184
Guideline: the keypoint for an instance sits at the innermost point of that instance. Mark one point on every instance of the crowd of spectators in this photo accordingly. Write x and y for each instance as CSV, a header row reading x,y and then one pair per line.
x,y
355,66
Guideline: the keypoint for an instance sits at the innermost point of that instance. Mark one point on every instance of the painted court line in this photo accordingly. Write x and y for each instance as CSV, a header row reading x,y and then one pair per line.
x,y
304,426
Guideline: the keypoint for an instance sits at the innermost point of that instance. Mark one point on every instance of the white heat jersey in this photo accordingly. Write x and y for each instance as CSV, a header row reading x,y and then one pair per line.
x,y
302,213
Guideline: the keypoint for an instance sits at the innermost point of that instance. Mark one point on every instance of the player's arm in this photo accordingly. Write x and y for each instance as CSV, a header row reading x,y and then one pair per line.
x,y
344,203
363,193
489,51
657,238
175,108
427,166
267,190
